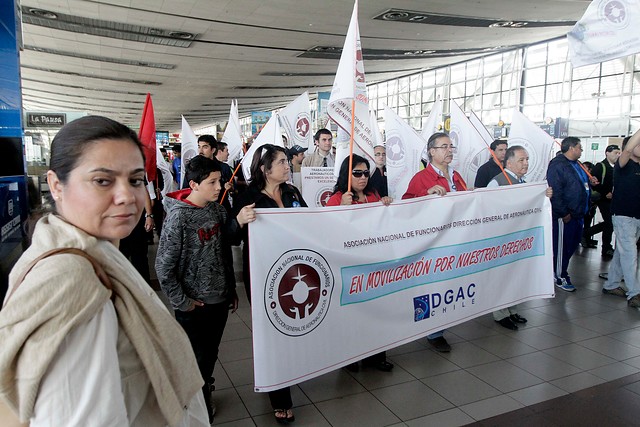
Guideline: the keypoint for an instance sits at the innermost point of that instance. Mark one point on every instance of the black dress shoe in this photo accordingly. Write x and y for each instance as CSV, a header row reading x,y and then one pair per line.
x,y
516,318
508,323
384,366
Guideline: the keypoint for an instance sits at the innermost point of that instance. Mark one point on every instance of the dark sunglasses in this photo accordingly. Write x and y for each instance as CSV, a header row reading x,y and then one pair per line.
x,y
358,173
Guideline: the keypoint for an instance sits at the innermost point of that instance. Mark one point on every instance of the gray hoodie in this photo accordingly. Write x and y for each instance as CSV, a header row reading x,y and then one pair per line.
x,y
194,255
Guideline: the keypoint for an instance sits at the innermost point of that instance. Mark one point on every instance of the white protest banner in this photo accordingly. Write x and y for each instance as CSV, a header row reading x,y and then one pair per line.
x,y
537,142
295,119
270,134
606,31
317,185
349,89
471,149
233,134
435,117
189,147
404,148
381,276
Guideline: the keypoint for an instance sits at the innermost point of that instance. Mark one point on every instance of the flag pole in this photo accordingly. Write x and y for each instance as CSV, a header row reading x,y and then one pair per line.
x,y
499,163
226,190
582,166
353,122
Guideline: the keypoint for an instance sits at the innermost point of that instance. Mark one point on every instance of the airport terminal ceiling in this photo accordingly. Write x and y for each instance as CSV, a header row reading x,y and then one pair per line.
x,y
195,56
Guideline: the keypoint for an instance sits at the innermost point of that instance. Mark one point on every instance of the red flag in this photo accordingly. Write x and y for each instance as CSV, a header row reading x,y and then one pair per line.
x,y
147,136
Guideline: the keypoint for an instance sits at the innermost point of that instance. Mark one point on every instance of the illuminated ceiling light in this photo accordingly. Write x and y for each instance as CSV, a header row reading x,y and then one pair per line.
x,y
181,35
43,13
395,16
509,24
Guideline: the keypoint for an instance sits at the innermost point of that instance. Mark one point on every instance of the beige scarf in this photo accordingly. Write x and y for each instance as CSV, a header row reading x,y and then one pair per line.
x,y
62,292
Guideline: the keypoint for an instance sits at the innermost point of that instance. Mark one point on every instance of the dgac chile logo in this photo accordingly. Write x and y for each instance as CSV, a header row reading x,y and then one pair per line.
x,y
430,305
298,292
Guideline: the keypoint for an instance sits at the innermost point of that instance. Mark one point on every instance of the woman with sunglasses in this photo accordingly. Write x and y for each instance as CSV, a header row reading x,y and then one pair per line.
x,y
361,189
361,192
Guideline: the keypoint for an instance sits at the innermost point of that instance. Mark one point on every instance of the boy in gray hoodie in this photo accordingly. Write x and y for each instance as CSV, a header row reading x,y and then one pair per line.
x,y
194,264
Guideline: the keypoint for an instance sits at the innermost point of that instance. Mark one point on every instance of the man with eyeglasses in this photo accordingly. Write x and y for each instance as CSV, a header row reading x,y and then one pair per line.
x,y
516,166
437,178
379,176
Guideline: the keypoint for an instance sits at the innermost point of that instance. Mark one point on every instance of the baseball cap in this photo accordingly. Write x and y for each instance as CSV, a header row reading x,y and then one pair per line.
x,y
296,149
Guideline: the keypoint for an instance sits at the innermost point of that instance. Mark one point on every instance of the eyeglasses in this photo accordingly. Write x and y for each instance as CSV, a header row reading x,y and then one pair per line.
x,y
446,147
359,172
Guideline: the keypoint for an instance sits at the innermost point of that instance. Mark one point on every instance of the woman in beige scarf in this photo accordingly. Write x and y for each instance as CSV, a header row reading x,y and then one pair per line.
x,y
82,350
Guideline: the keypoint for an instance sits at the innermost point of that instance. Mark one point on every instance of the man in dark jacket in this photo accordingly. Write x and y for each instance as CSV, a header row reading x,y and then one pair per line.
x,y
490,169
570,202
603,172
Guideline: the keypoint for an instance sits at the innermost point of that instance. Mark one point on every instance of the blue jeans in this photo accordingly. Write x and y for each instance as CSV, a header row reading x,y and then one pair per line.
x,y
435,335
625,258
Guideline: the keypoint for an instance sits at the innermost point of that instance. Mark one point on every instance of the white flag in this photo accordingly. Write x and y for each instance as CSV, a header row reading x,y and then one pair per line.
x,y
189,147
605,32
375,130
537,142
349,87
471,149
481,128
270,134
233,134
404,148
295,118
165,170
435,117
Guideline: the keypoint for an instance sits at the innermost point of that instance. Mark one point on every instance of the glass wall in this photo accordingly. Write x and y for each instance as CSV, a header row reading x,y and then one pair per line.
x,y
601,100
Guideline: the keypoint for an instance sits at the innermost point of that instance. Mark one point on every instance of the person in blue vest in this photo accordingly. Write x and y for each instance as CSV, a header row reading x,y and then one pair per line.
x,y
569,204
516,160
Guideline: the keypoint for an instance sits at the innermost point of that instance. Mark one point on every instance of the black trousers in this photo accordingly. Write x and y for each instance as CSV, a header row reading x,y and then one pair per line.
x,y
204,327
281,399
135,247
606,226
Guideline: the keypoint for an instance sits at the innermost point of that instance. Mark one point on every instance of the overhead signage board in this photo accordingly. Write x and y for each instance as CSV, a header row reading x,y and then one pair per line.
x,y
46,120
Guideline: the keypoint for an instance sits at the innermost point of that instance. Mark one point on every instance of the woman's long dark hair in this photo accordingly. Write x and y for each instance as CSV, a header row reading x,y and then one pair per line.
x,y
264,156
343,178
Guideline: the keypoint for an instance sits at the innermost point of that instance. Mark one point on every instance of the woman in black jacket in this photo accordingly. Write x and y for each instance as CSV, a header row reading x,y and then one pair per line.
x,y
268,188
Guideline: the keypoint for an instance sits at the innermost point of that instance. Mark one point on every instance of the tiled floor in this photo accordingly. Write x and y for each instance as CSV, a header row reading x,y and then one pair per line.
x,y
545,372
